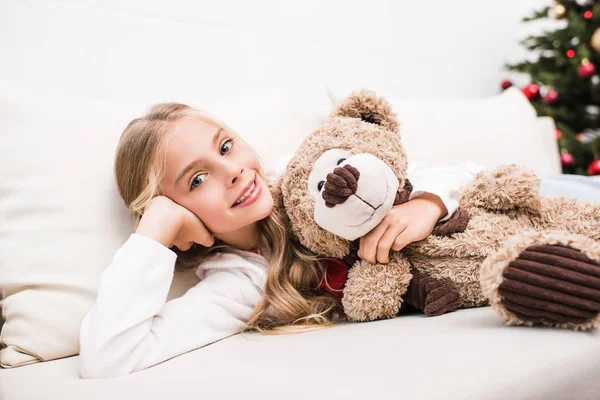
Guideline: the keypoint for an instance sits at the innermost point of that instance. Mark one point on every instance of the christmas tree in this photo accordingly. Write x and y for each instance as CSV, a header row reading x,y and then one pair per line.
x,y
564,81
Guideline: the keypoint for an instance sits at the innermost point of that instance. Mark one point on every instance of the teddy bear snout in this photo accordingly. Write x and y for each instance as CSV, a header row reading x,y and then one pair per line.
x,y
340,184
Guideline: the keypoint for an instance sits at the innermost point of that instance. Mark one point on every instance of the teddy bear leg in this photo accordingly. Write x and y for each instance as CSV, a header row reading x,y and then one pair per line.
x,y
547,278
374,291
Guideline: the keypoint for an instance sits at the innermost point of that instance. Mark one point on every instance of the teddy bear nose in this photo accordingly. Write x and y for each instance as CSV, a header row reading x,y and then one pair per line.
x,y
341,184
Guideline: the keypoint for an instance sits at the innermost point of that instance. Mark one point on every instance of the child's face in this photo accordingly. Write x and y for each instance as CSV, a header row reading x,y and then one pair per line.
x,y
222,169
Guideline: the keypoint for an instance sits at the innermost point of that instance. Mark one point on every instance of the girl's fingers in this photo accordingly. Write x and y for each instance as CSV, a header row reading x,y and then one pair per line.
x,y
206,239
183,246
198,232
386,242
369,246
361,245
402,241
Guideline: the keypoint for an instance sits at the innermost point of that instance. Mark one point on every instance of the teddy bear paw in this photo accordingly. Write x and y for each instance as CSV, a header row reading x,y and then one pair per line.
x,y
554,285
432,296
457,223
506,187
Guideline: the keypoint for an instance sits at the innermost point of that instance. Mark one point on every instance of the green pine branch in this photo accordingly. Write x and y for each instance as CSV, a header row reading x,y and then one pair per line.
x,y
543,13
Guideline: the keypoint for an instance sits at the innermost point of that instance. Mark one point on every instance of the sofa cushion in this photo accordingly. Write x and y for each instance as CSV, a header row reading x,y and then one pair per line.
x,y
467,354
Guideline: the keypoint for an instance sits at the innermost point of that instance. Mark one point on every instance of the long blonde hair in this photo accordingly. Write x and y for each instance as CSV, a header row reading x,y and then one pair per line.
x,y
293,300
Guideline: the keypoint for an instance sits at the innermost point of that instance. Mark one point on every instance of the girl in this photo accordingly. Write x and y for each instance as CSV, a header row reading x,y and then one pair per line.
x,y
199,194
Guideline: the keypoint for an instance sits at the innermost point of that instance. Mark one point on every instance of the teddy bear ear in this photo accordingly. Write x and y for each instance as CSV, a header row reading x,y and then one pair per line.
x,y
366,105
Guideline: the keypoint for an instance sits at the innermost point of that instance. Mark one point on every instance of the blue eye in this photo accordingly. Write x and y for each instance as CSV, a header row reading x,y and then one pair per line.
x,y
226,146
197,181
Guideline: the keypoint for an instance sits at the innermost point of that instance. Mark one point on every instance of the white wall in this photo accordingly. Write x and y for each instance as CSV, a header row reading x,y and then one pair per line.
x,y
176,49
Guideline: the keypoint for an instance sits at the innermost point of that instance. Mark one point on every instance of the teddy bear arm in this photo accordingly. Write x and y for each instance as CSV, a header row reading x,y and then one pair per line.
x,y
503,188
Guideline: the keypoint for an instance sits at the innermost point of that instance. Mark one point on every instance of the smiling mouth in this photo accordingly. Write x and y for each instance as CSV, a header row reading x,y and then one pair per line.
x,y
251,188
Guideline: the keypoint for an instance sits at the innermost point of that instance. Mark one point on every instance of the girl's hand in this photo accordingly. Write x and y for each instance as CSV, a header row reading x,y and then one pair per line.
x,y
173,225
405,223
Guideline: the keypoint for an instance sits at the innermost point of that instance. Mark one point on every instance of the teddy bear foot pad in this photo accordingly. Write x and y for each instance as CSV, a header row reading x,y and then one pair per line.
x,y
432,296
552,285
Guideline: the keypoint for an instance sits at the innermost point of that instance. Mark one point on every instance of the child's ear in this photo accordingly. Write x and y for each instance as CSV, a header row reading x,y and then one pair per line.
x,y
366,105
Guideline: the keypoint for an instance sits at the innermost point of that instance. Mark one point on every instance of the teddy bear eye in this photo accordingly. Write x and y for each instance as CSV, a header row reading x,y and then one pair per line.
x,y
320,186
341,160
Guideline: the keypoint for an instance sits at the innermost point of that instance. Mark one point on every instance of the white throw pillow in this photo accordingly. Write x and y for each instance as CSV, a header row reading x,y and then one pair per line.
x,y
61,218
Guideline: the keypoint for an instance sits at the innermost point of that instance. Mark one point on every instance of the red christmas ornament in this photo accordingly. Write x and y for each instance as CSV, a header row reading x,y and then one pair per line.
x,y
557,133
571,53
594,168
566,159
550,97
586,70
506,84
531,91
587,14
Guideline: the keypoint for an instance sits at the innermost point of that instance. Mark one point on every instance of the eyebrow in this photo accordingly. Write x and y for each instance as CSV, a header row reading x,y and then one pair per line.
x,y
191,165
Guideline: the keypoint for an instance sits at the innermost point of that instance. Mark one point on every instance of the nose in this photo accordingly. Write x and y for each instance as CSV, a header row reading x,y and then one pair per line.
x,y
235,172
340,184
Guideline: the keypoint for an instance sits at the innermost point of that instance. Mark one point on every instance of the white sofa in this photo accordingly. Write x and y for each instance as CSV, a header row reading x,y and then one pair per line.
x,y
61,219
465,354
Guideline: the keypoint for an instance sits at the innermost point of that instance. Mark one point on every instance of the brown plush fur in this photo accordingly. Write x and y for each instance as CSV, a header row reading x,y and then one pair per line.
x,y
375,291
506,216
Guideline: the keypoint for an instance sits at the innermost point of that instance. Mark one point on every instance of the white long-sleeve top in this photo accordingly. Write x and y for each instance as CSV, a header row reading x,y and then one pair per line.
x,y
445,182
131,326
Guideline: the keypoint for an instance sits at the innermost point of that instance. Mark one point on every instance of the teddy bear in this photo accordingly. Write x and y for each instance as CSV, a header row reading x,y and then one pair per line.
x,y
534,259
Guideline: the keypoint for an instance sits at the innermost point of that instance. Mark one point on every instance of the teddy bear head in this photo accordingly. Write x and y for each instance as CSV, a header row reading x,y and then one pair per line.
x,y
346,175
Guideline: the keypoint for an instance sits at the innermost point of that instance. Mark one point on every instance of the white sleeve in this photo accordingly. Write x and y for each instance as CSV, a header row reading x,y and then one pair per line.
x,y
444,182
130,327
